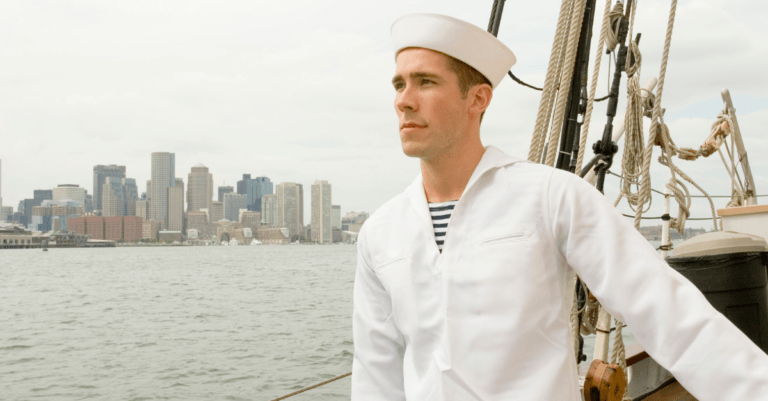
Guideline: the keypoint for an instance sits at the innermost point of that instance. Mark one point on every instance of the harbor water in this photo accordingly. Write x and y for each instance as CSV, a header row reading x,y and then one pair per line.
x,y
177,323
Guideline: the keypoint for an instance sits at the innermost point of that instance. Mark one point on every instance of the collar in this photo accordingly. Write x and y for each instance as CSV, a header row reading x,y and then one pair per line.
x,y
492,158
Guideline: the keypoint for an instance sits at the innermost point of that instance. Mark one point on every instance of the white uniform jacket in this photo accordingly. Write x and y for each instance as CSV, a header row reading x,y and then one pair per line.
x,y
487,319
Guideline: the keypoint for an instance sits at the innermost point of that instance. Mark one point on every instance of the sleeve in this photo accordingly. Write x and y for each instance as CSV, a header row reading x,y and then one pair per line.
x,y
377,367
668,315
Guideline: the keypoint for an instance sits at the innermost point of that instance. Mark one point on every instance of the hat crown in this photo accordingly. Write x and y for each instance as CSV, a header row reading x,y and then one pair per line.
x,y
456,38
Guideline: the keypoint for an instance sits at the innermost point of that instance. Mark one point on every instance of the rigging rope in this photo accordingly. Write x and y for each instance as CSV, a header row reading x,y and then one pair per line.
x,y
550,86
565,80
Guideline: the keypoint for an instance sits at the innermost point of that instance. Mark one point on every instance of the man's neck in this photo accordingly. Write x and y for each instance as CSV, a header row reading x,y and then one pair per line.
x,y
445,177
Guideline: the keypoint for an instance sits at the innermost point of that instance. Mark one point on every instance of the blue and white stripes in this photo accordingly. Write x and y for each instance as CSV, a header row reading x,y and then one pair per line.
x,y
441,215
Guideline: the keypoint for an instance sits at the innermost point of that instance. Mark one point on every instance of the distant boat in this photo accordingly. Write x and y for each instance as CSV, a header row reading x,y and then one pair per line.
x,y
224,243
233,242
255,242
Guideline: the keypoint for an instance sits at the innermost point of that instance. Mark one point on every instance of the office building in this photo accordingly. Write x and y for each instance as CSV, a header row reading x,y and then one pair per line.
x,y
242,185
176,207
224,190
88,203
113,197
5,213
269,210
250,219
141,209
131,193
69,191
256,188
336,216
290,207
198,221
52,215
200,189
216,213
150,229
321,212
163,178
100,173
232,205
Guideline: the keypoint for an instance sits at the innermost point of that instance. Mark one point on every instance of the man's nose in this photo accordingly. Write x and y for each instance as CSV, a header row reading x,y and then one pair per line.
x,y
406,99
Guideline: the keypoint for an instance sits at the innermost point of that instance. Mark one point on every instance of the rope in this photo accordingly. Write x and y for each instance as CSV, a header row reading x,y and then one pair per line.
x,y
565,80
312,386
592,89
645,186
548,94
614,21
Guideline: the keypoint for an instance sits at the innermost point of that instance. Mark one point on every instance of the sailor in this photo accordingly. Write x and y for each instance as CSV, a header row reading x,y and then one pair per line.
x,y
460,282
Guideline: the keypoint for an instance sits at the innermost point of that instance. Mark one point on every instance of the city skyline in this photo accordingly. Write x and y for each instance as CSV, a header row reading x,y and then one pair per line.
x,y
240,101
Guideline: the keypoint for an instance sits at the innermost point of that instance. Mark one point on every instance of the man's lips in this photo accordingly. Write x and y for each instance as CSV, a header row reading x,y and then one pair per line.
x,y
411,125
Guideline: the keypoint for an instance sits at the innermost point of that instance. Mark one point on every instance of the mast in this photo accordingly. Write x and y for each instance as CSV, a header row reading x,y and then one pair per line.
x,y
749,182
577,99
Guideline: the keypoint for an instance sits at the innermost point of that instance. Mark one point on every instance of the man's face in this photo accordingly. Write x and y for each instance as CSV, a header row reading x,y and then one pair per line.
x,y
433,115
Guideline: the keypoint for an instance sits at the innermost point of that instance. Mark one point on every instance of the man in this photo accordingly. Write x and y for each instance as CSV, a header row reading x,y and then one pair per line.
x,y
459,291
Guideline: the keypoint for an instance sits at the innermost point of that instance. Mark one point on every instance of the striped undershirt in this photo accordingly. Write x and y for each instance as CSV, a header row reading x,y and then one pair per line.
x,y
441,215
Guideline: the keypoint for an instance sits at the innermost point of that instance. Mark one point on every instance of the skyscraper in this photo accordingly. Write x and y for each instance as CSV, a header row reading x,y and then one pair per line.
x,y
176,206
256,188
336,216
269,210
217,212
113,197
321,212
232,205
100,172
242,185
131,192
290,207
224,190
163,177
200,189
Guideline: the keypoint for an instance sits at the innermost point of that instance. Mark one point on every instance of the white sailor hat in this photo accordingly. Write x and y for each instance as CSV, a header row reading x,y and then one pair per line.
x,y
456,38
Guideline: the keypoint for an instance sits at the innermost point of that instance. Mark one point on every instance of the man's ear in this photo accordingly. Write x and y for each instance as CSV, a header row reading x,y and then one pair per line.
x,y
481,96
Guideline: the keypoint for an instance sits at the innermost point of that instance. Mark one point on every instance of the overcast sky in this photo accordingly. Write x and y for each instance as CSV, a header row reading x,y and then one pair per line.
x,y
300,90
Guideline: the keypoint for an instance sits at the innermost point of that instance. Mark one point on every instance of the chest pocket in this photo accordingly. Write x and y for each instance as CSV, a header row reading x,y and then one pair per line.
x,y
498,240
394,272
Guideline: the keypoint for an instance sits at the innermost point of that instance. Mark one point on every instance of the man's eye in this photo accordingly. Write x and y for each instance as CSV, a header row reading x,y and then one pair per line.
x,y
398,86
426,81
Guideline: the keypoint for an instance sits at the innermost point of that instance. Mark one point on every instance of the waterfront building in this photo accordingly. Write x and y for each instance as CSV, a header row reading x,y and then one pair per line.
x,y
224,190
150,229
176,207
216,213
52,215
200,189
232,205
163,177
69,191
273,235
225,230
256,188
141,209
170,236
336,217
198,221
100,173
250,219
244,235
269,210
242,185
321,212
290,207
113,228
17,237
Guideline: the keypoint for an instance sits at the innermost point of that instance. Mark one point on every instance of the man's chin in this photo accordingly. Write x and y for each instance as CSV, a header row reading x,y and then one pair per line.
x,y
414,151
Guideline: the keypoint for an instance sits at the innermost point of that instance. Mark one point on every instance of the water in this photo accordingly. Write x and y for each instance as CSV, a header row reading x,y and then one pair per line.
x,y
184,323
178,323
